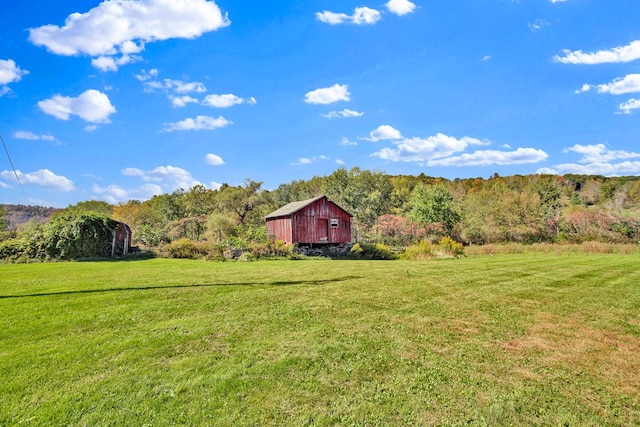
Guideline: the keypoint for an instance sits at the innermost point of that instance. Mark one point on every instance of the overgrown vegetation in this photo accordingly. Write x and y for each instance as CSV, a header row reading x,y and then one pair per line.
x,y
540,339
68,236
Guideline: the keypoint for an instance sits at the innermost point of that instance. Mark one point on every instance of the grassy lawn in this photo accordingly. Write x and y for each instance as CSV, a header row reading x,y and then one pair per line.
x,y
523,339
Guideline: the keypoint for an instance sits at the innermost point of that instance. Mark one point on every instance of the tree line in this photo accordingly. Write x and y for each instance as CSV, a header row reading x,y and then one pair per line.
x,y
396,210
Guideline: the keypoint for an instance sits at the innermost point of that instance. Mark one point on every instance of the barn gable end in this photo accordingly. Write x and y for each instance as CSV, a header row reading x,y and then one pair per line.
x,y
312,221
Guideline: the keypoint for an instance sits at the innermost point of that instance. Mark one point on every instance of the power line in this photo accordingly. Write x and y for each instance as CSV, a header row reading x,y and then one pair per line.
x,y
6,150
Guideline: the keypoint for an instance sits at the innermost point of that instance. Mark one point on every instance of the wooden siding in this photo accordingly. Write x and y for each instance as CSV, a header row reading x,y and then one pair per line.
x,y
312,224
281,228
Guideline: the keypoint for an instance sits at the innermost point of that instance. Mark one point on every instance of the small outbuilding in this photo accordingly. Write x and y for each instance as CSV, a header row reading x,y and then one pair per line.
x,y
312,221
121,239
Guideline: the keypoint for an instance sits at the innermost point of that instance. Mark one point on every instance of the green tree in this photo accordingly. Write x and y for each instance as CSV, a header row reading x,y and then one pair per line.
x,y
434,204
96,206
242,202
365,194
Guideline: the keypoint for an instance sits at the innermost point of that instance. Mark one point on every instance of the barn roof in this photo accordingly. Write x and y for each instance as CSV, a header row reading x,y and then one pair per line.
x,y
293,207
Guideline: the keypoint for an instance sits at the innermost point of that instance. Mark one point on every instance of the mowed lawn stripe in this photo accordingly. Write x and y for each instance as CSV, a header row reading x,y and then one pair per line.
x,y
525,339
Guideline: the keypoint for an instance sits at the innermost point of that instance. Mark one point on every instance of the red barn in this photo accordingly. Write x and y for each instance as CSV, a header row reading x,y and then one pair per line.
x,y
312,221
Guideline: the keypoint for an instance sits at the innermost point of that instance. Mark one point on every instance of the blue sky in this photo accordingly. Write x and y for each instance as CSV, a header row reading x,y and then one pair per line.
x,y
120,100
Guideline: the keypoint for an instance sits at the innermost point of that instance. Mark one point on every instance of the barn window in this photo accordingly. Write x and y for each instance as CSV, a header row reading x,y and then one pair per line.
x,y
335,222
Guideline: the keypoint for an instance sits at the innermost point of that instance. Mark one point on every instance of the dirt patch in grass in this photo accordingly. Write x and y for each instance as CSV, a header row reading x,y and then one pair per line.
x,y
571,344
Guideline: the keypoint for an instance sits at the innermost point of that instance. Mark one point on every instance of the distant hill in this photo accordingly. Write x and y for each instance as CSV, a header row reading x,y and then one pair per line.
x,y
18,215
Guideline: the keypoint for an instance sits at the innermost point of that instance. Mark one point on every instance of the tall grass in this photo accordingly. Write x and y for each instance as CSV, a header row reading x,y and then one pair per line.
x,y
522,339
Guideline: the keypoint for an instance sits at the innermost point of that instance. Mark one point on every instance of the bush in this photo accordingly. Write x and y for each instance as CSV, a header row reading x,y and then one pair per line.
x,y
368,251
451,247
420,252
11,250
189,249
424,250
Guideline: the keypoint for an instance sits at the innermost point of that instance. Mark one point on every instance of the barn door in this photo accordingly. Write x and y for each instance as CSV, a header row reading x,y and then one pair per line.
x,y
322,229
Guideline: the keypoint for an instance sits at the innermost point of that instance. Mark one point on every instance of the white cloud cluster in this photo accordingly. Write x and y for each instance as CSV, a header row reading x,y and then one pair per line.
x,y
620,86
92,106
343,114
597,159
198,123
116,30
43,178
364,15
627,53
9,73
178,92
328,95
444,150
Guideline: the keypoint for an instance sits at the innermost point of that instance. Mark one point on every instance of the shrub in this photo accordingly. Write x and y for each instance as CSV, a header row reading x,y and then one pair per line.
x,y
11,250
187,248
451,247
368,251
422,251
246,257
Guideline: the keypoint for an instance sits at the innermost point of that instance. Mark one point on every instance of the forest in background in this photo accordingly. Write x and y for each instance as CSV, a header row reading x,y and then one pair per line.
x,y
391,210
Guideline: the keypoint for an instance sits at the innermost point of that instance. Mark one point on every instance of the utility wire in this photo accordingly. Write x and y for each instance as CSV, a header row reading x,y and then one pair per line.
x,y
6,150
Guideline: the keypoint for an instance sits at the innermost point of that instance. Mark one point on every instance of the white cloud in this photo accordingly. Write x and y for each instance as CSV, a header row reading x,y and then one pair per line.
x,y
119,27
343,114
43,177
424,149
538,24
627,53
226,100
628,106
171,85
360,16
557,1
92,106
170,178
26,135
328,95
182,101
108,63
10,72
199,123
599,153
213,159
400,7
331,17
627,84
346,141
383,132
33,137
115,194
309,160
493,157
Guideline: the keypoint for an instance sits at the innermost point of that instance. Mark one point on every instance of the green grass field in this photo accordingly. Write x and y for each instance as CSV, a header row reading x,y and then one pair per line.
x,y
523,339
